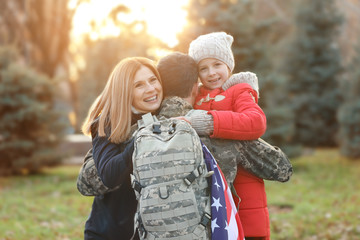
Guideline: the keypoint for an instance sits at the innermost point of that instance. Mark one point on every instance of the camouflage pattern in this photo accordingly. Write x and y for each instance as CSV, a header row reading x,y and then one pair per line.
x,y
174,107
169,208
89,182
256,156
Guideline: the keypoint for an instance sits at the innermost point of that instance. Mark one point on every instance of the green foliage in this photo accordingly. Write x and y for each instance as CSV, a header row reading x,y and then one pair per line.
x,y
349,118
236,18
313,68
29,127
252,48
349,112
280,130
280,118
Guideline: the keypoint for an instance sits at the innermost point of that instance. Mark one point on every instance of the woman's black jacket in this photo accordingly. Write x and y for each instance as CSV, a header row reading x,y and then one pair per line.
x,y
112,214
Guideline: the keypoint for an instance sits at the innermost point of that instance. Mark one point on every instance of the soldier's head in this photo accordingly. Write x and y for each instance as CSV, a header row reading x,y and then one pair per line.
x,y
179,75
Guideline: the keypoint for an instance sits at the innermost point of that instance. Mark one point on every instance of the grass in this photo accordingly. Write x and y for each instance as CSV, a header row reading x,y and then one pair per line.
x,y
46,206
321,201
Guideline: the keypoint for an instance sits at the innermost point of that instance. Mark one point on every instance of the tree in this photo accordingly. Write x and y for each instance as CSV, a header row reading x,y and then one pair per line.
x,y
254,39
349,112
40,29
233,17
30,130
313,67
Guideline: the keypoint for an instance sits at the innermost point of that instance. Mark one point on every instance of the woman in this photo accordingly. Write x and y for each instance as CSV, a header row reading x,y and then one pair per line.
x,y
133,88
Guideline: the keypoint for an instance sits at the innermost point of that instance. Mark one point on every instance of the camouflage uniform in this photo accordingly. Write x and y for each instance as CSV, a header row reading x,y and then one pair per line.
x,y
89,177
255,156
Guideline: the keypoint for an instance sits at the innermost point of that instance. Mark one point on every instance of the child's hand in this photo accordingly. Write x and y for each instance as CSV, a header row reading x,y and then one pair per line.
x,y
242,77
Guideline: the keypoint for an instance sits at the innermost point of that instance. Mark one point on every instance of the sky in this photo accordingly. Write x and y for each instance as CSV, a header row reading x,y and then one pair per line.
x,y
165,18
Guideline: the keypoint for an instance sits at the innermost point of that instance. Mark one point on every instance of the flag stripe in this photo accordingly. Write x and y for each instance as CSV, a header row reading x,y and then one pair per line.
x,y
225,221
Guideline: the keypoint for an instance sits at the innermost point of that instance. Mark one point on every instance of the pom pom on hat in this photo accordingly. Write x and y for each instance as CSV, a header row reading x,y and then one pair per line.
x,y
213,45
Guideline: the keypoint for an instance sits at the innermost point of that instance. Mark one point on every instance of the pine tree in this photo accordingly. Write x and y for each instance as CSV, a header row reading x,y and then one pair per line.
x,y
313,68
233,17
30,130
252,48
349,112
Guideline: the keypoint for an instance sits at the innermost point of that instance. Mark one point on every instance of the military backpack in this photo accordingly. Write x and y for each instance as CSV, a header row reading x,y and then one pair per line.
x,y
170,181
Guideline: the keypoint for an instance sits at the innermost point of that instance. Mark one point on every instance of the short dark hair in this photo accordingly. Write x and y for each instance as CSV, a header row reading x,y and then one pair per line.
x,y
179,73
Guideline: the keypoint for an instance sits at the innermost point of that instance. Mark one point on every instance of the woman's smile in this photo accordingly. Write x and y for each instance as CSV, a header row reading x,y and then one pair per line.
x,y
147,91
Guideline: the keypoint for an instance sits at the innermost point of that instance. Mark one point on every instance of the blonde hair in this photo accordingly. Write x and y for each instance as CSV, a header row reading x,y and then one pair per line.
x,y
113,105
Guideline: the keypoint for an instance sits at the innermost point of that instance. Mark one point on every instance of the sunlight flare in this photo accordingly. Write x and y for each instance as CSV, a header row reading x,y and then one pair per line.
x,y
164,18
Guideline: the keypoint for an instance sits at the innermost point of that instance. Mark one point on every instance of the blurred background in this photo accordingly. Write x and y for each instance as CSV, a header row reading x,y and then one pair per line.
x,y
56,55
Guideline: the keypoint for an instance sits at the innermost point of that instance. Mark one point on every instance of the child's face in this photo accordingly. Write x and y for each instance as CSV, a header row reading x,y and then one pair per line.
x,y
213,73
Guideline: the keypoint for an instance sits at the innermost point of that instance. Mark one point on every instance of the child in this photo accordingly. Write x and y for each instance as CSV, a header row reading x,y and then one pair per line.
x,y
215,61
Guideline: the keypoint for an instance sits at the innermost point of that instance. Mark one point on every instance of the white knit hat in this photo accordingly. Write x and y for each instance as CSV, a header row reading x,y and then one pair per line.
x,y
213,45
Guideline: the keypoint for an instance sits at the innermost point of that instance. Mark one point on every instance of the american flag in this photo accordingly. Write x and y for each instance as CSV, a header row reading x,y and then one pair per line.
x,y
225,221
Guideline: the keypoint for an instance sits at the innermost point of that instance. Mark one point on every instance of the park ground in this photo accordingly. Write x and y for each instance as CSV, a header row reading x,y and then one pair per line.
x,y
321,201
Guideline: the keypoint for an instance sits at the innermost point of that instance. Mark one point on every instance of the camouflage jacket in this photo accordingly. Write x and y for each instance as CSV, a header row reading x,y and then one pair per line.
x,y
256,156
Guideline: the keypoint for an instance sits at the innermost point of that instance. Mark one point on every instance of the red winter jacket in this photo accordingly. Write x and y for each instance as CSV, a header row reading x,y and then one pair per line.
x,y
238,117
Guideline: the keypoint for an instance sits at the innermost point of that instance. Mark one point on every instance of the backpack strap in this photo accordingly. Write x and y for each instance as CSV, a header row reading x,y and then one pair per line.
x,y
189,179
199,231
146,120
135,184
205,219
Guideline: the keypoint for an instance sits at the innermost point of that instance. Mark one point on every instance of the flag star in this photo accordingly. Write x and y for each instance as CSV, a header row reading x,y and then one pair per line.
x,y
227,226
214,166
216,184
214,225
216,203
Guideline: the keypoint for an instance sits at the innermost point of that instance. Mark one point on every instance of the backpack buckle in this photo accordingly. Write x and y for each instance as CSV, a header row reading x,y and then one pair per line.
x,y
143,233
193,175
136,186
201,169
189,179
172,128
205,219
141,228
156,128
